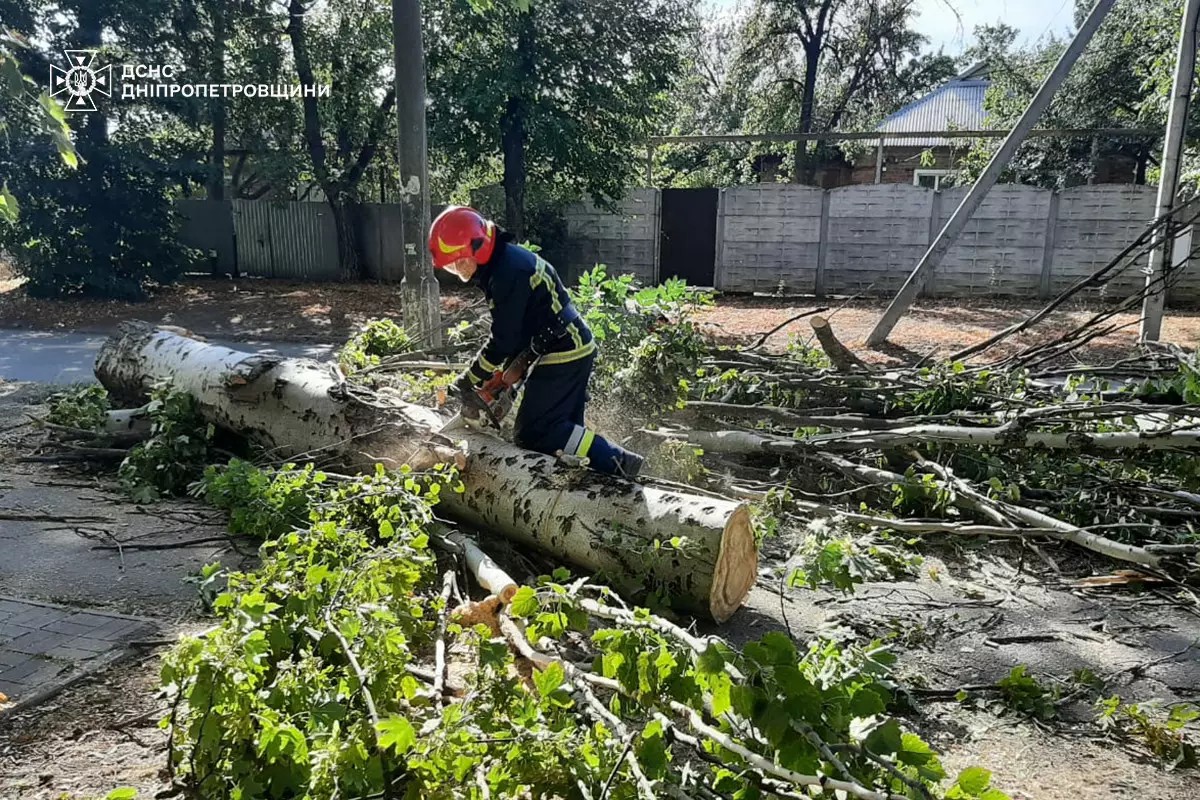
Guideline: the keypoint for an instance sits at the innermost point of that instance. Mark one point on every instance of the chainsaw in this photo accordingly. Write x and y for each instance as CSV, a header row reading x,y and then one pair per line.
x,y
498,393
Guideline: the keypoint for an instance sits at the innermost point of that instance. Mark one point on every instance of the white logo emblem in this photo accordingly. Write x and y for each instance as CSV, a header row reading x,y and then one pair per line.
x,y
80,80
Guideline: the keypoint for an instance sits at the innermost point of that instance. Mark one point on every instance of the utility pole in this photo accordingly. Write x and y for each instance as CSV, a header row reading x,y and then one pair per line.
x,y
418,287
1037,106
1168,185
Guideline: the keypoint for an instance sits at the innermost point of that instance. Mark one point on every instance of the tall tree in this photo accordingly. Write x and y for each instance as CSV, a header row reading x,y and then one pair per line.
x,y
106,229
557,92
1123,80
349,42
817,65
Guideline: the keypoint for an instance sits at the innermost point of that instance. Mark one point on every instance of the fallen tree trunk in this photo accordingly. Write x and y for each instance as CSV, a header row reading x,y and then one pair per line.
x,y
298,408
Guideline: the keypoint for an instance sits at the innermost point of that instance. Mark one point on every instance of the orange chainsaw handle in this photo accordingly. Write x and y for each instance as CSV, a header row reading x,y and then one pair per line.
x,y
502,381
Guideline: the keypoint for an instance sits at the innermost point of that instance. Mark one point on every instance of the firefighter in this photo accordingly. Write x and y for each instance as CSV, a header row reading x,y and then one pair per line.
x,y
530,309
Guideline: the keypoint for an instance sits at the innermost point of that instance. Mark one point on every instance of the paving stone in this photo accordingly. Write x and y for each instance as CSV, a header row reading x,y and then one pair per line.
x,y
21,671
67,653
43,647
8,658
35,642
68,627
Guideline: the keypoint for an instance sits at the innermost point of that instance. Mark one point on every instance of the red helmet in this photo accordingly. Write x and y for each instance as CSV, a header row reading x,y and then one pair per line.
x,y
460,232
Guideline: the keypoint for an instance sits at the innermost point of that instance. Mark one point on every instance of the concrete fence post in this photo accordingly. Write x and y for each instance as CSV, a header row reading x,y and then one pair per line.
x,y
935,223
822,245
719,252
1048,254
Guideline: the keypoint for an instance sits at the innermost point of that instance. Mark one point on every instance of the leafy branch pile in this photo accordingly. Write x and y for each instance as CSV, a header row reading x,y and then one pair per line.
x,y
1030,445
328,676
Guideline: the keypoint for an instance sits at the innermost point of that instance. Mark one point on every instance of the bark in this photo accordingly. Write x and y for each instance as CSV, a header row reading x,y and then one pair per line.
x,y
347,222
803,166
294,408
840,355
513,133
744,442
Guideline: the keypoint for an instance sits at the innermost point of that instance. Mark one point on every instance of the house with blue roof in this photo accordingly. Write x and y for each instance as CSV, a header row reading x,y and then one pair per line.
x,y
957,105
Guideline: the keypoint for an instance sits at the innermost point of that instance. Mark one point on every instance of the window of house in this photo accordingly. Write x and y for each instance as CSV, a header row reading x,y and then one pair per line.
x,y
933,178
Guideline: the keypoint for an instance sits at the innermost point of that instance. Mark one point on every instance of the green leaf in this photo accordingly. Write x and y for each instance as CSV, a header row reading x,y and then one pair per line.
x,y
53,108
122,793
549,679
885,739
974,780
9,210
14,81
652,750
524,603
721,702
781,647
866,702
396,734
916,753
710,661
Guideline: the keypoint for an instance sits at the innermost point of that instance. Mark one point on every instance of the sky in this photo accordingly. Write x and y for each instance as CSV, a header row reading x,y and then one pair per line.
x,y
1033,18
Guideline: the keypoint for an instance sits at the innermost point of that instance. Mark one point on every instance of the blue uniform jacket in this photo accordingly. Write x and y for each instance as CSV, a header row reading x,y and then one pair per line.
x,y
529,305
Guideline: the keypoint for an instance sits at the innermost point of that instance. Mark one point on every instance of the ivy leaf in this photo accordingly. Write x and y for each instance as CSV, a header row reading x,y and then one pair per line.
x,y
122,793
396,734
524,603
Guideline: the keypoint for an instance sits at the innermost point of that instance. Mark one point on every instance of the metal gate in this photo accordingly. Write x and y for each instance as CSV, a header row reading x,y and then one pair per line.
x,y
688,233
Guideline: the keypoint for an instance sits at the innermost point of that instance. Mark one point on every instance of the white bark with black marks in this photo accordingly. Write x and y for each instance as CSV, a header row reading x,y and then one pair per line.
x,y
296,407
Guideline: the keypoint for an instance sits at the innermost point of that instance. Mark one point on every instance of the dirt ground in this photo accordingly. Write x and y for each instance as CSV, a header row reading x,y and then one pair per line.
x,y
282,311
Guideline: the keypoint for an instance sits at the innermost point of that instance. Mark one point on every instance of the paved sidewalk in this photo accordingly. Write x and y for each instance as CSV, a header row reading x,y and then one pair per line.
x,y
45,647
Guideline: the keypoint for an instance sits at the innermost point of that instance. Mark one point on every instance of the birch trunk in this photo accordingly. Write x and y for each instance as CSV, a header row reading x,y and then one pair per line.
x,y
745,443
297,408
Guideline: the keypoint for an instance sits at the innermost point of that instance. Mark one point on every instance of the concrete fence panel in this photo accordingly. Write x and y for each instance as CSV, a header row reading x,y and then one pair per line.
x,y
626,241
1022,243
1095,223
877,234
770,238
1002,251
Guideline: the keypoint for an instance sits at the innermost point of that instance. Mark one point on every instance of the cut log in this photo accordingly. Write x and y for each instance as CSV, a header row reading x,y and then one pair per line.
x,y
298,408
840,356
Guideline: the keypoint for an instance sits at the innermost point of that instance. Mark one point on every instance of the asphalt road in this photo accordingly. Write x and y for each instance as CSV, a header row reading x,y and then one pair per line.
x,y
64,358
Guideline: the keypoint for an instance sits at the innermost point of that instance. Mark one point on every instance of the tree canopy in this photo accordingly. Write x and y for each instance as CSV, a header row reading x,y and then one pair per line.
x,y
558,94
1123,80
800,66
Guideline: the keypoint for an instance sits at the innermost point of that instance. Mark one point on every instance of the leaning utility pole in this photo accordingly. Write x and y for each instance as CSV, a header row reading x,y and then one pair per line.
x,y
937,251
418,287
1168,184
